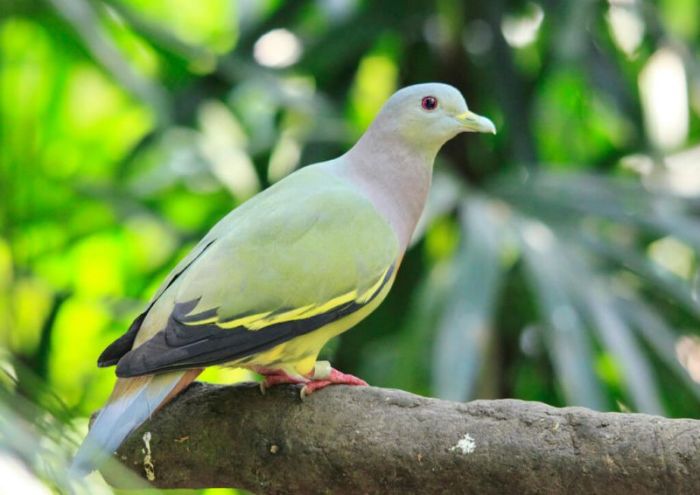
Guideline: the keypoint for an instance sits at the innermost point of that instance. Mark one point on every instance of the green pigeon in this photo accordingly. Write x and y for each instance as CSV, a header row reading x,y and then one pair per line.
x,y
289,269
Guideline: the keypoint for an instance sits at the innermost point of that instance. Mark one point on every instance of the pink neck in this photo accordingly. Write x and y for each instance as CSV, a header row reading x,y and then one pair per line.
x,y
394,174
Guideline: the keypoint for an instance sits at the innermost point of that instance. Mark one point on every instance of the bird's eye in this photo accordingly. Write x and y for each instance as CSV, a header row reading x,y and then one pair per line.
x,y
429,103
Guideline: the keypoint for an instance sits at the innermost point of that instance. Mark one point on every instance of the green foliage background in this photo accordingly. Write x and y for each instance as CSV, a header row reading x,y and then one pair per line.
x,y
557,261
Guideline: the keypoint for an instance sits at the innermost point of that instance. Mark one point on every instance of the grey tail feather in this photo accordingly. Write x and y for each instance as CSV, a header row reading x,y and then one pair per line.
x,y
129,406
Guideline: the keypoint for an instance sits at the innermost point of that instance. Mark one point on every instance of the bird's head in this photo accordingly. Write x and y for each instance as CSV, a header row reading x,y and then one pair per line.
x,y
430,114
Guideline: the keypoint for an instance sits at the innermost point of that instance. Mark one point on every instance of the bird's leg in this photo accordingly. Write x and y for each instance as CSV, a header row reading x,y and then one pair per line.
x,y
324,375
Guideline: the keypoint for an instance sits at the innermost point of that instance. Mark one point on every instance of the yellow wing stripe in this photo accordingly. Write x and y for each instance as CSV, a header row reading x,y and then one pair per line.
x,y
262,320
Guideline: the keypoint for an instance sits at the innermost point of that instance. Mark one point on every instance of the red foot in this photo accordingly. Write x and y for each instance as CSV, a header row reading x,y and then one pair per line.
x,y
322,376
334,378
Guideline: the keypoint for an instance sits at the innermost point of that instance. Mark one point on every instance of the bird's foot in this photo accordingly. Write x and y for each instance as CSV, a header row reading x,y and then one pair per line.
x,y
324,376
277,377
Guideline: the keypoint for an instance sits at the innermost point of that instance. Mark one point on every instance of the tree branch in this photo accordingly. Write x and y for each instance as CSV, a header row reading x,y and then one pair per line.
x,y
371,440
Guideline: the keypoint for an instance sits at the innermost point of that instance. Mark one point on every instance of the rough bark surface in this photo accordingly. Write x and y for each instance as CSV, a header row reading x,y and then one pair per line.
x,y
355,440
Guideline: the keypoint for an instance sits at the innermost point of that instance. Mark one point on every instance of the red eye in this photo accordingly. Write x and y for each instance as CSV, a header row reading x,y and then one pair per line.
x,y
429,103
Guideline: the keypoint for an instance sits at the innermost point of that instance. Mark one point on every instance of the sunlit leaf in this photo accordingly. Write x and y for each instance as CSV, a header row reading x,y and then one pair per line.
x,y
99,265
76,340
148,241
211,23
31,303
374,82
85,20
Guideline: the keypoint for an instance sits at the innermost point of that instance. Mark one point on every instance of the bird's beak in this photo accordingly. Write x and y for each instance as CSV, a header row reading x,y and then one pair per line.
x,y
475,123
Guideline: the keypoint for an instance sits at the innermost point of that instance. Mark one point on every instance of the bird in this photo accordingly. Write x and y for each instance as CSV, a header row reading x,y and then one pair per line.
x,y
283,273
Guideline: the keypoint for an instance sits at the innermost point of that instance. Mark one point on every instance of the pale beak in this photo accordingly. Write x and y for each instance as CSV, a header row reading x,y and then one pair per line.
x,y
476,123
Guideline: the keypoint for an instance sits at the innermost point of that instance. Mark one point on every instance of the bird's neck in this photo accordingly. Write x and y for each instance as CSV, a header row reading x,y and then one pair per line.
x,y
394,174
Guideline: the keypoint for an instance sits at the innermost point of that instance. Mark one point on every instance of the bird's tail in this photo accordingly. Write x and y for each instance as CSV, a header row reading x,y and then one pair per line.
x,y
132,401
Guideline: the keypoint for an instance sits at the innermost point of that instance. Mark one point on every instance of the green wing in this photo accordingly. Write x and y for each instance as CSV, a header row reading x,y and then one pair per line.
x,y
294,258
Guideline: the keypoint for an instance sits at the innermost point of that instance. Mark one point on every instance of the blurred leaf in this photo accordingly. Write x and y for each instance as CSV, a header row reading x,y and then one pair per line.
x,y
556,197
617,337
37,446
656,332
586,125
463,334
85,21
375,81
387,362
681,16
661,280
569,346
444,195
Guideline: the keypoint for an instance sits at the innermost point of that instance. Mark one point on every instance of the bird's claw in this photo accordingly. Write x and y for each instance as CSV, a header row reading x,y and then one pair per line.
x,y
331,377
312,386
272,378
